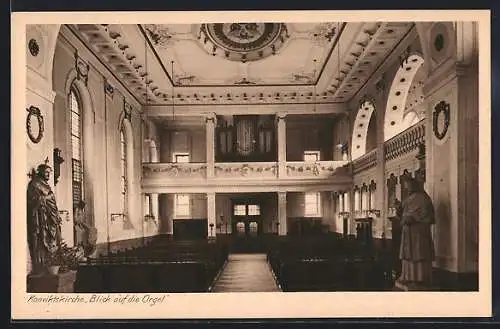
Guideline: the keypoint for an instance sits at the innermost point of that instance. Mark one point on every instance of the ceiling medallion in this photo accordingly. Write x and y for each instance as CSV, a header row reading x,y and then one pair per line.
x,y
243,41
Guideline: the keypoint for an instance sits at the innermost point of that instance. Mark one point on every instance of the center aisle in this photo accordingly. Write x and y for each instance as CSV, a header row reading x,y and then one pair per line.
x,y
246,273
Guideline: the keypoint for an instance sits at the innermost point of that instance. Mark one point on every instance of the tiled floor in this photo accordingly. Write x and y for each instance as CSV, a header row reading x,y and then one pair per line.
x,y
246,273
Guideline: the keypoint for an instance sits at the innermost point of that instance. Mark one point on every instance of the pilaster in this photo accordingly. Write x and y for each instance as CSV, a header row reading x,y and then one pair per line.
x,y
281,127
211,216
282,216
210,134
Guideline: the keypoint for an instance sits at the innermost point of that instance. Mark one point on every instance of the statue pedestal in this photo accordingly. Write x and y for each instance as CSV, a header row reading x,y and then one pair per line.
x,y
44,283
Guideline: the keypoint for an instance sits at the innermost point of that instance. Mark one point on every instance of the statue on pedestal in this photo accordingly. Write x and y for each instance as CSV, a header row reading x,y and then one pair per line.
x,y
417,249
44,223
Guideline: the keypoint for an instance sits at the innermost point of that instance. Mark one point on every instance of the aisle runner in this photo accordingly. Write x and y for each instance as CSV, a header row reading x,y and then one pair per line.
x,y
246,272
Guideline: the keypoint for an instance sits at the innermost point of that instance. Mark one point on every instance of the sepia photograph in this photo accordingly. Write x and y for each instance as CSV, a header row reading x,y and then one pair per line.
x,y
251,160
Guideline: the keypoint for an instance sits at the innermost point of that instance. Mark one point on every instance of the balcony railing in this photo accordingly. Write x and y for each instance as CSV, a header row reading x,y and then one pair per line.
x,y
318,169
365,162
406,141
166,172
174,170
259,170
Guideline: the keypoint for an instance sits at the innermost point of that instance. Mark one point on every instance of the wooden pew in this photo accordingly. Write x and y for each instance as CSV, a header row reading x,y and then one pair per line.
x,y
158,267
325,264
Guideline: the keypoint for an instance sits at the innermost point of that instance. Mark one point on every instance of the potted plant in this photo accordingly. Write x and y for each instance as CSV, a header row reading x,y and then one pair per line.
x,y
63,260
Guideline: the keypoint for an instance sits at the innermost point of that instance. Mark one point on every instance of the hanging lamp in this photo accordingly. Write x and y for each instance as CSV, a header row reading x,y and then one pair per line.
x,y
173,91
314,85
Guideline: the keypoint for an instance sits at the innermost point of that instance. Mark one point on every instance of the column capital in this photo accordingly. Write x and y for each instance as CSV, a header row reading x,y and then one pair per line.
x,y
281,116
211,117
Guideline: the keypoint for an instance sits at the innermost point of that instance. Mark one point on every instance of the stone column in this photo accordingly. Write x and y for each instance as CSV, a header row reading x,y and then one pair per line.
x,y
211,215
211,121
379,224
155,202
349,207
281,133
282,220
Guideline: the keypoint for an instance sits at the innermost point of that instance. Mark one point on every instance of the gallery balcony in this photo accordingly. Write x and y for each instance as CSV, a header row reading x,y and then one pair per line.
x,y
244,176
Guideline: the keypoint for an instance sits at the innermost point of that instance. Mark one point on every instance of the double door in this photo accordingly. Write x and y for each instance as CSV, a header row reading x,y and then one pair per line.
x,y
247,226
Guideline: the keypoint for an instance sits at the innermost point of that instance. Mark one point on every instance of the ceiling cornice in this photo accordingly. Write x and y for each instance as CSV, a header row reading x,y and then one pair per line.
x,y
241,109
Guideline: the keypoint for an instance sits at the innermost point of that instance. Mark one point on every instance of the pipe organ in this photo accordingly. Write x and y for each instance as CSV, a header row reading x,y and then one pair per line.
x,y
242,138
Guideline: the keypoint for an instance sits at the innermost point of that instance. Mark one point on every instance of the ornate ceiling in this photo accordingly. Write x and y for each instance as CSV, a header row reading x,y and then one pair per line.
x,y
231,54
243,63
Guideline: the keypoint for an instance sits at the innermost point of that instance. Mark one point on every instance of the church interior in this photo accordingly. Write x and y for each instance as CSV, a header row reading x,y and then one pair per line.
x,y
225,157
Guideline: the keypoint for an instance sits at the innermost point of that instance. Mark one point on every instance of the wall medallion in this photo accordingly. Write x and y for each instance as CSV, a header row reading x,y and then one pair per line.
x,y
34,127
243,41
33,47
439,42
441,119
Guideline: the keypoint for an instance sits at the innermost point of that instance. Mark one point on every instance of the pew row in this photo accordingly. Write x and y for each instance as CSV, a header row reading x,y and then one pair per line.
x,y
158,267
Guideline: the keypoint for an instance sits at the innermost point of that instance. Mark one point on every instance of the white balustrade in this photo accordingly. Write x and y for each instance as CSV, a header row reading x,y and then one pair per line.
x,y
174,170
311,170
252,170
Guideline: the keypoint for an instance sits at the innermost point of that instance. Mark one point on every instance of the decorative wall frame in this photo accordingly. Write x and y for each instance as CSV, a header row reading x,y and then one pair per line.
x,y
127,111
33,47
441,120
82,69
34,133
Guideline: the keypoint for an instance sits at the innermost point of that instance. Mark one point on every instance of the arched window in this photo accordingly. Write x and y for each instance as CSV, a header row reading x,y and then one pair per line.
x,y
123,167
357,199
365,198
76,147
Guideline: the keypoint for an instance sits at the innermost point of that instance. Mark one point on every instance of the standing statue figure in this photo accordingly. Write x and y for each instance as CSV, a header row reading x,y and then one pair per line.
x,y
417,249
44,223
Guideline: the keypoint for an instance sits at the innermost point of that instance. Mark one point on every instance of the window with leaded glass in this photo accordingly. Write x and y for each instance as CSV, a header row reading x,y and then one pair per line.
x,y
312,205
76,147
182,207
